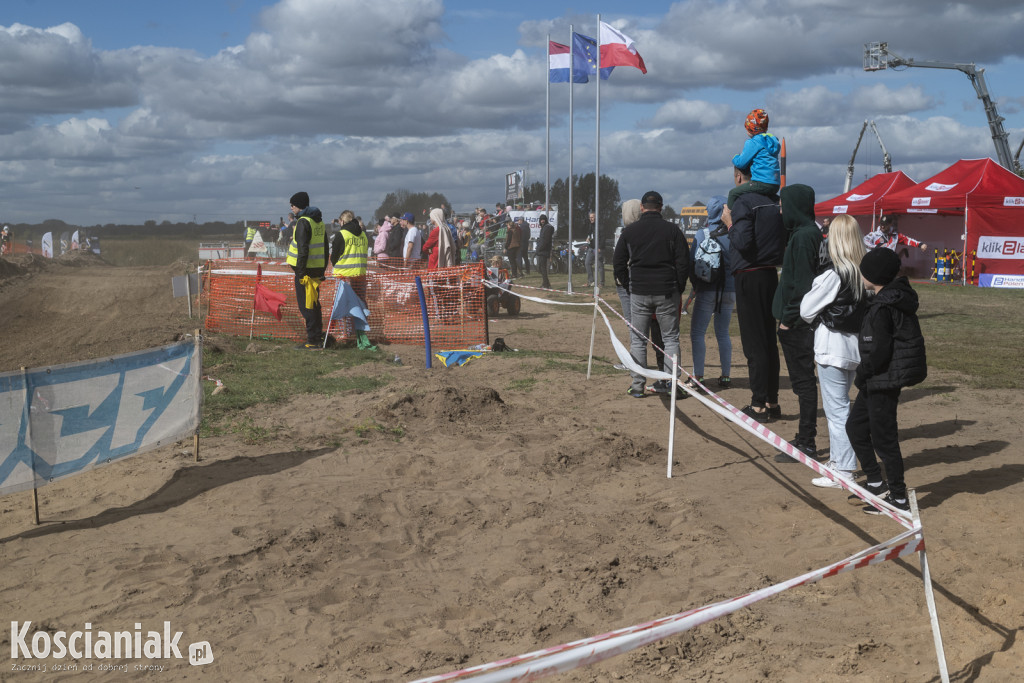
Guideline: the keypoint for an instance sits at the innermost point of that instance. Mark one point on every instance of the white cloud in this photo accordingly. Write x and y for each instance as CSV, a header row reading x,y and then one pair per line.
x,y
352,99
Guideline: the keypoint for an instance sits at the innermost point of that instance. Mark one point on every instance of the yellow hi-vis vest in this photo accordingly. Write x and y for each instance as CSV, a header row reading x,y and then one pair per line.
x,y
352,262
250,233
317,245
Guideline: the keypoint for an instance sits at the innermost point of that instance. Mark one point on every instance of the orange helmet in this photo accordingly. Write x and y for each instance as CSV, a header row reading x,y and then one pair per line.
x,y
756,122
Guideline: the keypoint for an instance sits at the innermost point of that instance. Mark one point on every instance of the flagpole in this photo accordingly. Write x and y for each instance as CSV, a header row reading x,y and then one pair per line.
x,y
547,130
572,80
597,167
597,199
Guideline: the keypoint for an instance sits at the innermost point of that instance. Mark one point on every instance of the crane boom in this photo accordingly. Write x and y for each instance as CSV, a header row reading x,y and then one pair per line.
x,y
849,167
878,56
886,159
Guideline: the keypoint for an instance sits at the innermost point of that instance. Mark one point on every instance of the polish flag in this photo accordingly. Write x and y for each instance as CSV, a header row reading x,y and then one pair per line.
x,y
617,49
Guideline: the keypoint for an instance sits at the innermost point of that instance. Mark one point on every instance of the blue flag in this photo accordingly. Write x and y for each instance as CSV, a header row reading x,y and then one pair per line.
x,y
584,61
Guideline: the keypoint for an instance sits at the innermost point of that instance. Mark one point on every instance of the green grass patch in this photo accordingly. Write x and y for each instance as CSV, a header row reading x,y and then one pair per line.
x,y
276,372
561,361
525,384
368,427
974,331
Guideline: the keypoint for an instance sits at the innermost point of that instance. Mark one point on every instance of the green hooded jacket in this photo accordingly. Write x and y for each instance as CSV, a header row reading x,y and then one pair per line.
x,y
800,263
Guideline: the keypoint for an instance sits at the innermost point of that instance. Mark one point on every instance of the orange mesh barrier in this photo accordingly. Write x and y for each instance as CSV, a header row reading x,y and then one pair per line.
x,y
454,297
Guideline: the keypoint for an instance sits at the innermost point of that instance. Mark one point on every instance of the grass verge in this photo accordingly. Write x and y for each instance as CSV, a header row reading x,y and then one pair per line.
x,y
271,372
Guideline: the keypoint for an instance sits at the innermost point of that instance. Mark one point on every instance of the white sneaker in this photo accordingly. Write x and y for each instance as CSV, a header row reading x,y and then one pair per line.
x,y
826,483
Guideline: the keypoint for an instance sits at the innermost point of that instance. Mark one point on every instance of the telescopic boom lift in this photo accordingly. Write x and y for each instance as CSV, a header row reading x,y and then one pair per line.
x,y
886,159
877,57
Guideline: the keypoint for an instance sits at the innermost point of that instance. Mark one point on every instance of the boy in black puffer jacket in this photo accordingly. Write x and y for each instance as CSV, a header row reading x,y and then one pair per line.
x,y
892,356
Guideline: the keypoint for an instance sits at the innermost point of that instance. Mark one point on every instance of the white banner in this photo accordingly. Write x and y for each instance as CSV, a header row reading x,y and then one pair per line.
x,y
65,419
1001,247
532,219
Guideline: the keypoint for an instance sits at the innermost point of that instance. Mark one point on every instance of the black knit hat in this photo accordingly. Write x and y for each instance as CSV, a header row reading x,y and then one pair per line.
x,y
300,199
880,266
651,198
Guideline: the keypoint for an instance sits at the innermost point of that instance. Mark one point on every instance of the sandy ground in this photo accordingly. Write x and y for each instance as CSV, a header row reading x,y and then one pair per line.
x,y
457,516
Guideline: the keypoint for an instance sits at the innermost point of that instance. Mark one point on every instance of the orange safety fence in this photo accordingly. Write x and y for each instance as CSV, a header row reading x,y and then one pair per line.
x,y
454,298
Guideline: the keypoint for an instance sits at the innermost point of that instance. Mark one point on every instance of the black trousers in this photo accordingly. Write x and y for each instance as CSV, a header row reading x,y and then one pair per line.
x,y
755,290
542,266
513,261
872,429
798,350
313,316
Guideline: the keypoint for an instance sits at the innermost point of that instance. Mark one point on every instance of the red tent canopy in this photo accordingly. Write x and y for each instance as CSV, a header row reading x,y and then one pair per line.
x,y
969,183
984,203
864,199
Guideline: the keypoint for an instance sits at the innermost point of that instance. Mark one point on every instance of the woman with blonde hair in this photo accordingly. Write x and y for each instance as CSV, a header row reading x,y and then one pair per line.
x,y
835,307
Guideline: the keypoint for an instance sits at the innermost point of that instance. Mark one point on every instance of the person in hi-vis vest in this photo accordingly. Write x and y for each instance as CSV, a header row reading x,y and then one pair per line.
x,y
349,247
307,255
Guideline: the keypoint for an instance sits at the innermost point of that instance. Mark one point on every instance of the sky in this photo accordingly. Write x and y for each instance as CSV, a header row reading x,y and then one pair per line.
x,y
120,111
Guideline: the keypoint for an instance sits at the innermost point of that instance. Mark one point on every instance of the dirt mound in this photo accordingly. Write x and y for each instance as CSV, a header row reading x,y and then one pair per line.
x,y
9,268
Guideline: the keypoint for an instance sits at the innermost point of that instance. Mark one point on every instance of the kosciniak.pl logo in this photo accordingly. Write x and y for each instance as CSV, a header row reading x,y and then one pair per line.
x,y
29,644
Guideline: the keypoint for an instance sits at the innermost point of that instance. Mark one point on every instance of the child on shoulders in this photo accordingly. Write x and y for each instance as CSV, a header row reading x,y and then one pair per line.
x,y
760,156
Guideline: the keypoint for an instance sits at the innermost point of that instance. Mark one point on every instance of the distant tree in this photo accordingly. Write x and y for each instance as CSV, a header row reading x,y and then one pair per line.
x,y
534,194
668,213
419,204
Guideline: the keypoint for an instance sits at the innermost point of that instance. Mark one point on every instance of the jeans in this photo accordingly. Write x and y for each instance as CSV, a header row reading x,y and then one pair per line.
x,y
642,307
835,398
798,348
872,429
703,310
755,290
589,265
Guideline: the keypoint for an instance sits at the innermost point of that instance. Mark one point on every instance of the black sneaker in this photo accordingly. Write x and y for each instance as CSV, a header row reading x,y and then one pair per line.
x,y
636,393
764,416
805,446
724,382
879,490
775,411
899,505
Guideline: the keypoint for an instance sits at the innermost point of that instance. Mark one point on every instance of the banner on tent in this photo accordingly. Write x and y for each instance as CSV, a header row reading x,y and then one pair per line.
x,y
1001,247
65,419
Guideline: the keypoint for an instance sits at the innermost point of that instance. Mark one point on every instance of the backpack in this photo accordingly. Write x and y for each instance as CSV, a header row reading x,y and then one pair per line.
x,y
708,261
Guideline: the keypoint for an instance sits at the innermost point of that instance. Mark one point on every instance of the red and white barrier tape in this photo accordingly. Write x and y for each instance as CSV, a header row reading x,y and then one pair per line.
x,y
562,658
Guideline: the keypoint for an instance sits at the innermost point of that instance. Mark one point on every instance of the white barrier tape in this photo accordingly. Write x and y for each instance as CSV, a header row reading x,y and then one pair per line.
x,y
562,658
733,414
510,290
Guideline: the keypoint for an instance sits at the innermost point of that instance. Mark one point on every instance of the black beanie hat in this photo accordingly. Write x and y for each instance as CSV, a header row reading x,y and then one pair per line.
x,y
300,199
880,266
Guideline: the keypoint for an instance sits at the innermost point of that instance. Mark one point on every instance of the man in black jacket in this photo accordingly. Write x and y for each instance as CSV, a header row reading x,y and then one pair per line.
x,y
543,251
651,262
757,241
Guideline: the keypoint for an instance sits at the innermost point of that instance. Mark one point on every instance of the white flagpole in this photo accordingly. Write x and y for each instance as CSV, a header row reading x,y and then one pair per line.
x,y
572,78
547,130
597,200
597,166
